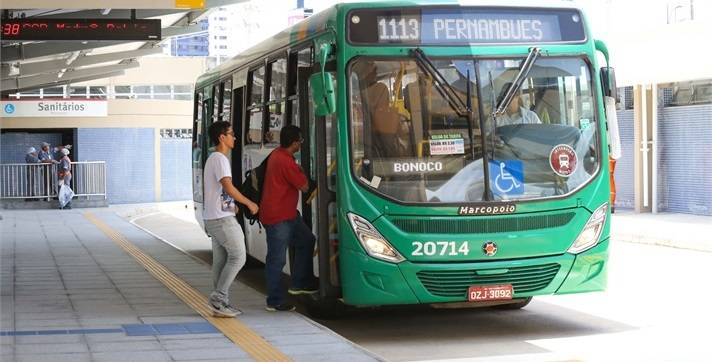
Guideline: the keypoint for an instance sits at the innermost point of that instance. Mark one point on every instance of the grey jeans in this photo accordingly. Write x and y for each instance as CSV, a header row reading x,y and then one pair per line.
x,y
228,254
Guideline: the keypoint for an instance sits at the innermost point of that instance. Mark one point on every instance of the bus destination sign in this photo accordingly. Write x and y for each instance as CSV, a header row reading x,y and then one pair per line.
x,y
443,26
81,29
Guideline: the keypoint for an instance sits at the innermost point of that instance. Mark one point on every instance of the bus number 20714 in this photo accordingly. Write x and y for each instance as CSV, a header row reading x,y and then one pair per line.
x,y
442,248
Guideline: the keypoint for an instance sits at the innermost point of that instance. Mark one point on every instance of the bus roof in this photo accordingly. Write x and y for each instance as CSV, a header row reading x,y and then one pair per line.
x,y
326,19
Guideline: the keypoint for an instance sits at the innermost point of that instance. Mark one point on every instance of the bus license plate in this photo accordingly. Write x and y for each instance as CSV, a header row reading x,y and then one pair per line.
x,y
490,292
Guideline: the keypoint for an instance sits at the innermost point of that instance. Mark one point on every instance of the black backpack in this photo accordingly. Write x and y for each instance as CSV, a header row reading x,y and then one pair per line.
x,y
252,188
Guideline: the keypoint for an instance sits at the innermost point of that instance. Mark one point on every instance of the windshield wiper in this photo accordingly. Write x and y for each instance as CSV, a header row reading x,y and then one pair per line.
x,y
524,70
460,107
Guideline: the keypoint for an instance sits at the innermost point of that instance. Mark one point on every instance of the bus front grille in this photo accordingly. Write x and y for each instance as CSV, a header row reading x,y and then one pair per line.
x,y
455,283
482,225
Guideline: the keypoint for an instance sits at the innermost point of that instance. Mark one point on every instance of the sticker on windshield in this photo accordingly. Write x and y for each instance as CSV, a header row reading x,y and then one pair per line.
x,y
447,147
563,160
507,177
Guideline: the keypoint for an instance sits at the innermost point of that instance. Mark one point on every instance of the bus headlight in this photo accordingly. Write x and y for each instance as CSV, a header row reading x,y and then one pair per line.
x,y
591,232
372,241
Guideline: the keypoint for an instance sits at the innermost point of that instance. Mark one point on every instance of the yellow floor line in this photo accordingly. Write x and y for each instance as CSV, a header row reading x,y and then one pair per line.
x,y
236,331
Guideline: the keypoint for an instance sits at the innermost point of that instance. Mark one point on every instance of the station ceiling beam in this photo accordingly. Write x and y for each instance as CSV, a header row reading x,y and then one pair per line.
x,y
55,65
24,51
42,80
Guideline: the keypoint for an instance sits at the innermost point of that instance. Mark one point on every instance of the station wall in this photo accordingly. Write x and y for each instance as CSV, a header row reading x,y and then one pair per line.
x,y
14,145
685,159
624,173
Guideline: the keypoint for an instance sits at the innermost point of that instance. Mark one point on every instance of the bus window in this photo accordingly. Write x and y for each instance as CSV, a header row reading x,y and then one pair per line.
x,y
278,80
255,110
217,94
276,105
276,122
300,69
226,100
257,84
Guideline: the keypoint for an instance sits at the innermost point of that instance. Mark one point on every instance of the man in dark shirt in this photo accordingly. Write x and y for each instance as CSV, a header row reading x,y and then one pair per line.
x,y
278,212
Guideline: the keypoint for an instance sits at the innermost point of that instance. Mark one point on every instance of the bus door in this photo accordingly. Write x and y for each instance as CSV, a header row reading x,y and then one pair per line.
x,y
237,122
319,162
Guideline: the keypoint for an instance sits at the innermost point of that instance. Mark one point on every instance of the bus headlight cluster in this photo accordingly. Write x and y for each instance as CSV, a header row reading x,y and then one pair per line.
x,y
372,241
591,232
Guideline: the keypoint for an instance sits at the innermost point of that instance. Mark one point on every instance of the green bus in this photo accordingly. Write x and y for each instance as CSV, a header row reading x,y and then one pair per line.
x,y
460,152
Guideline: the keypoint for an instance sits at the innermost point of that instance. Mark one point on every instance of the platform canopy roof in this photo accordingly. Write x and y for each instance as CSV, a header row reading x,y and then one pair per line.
x,y
27,65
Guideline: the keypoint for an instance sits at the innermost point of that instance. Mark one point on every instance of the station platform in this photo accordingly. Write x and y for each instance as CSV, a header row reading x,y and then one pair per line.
x,y
90,285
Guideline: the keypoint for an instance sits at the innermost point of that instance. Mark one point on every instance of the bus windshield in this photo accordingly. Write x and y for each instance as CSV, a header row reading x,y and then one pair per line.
x,y
410,144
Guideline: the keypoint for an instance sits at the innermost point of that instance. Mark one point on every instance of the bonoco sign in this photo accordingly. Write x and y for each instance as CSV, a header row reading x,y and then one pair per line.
x,y
54,108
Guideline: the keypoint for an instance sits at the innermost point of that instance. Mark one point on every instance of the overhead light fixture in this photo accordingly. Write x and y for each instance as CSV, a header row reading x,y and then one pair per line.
x,y
105,11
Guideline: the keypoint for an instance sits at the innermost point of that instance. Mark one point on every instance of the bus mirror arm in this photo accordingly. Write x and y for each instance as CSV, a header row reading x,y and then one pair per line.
x,y
322,85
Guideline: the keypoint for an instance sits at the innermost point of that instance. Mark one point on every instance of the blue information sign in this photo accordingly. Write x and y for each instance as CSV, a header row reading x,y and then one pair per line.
x,y
506,177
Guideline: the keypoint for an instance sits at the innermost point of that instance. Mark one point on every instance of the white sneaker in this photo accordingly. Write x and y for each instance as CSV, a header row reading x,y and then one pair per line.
x,y
222,310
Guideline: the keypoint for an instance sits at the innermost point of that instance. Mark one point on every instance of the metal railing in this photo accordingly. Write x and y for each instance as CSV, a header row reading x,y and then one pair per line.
x,y
40,180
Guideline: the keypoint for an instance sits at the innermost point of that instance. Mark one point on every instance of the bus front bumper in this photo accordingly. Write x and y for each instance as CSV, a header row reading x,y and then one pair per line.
x,y
367,281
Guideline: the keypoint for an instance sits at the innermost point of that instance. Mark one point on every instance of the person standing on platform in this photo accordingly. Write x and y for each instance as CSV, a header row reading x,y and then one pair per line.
x,y
32,171
284,225
228,240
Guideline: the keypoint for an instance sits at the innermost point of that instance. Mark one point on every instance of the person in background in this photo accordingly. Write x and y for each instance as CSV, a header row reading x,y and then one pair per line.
x,y
32,171
58,151
515,113
283,181
45,156
64,174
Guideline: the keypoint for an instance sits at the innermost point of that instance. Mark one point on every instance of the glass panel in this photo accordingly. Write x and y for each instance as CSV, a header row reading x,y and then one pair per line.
x,y
53,92
142,89
331,139
182,89
257,88
408,142
216,102
161,89
227,100
161,96
278,81
182,97
122,89
197,150
276,121
254,133
544,144
295,112
77,92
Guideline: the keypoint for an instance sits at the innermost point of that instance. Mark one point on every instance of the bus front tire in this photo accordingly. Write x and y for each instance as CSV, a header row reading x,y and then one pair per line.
x,y
325,308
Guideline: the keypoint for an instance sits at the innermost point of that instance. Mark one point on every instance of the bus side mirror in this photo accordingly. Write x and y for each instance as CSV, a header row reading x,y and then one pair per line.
x,y
608,83
323,95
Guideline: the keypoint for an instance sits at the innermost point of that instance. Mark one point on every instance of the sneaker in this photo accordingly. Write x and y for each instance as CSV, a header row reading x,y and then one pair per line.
x,y
233,308
221,310
284,307
299,291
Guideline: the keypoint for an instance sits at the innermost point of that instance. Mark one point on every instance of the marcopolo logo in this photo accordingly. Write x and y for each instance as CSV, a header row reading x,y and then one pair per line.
x,y
9,108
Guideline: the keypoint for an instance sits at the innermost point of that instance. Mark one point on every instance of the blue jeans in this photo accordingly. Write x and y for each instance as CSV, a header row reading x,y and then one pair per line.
x,y
228,255
288,233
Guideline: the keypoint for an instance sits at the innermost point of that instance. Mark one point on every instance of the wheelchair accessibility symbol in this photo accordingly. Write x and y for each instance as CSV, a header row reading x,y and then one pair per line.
x,y
507,177
9,108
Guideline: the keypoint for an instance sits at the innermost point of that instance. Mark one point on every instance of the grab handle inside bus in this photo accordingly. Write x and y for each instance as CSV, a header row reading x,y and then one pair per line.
x,y
322,85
